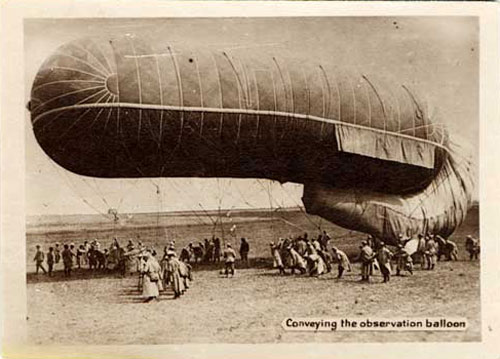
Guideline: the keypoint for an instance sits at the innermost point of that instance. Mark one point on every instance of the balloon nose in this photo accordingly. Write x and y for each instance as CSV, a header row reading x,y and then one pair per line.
x,y
80,72
112,84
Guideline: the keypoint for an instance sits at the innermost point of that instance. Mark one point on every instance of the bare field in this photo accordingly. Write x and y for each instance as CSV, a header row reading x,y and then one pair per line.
x,y
249,308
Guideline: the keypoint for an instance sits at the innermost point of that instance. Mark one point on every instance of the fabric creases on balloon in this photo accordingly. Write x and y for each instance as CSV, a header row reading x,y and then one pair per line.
x,y
369,156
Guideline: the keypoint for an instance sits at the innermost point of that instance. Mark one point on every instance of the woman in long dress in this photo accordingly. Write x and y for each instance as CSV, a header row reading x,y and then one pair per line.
x,y
151,276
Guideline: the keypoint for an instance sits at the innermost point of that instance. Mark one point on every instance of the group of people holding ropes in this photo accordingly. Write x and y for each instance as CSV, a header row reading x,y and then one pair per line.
x,y
300,254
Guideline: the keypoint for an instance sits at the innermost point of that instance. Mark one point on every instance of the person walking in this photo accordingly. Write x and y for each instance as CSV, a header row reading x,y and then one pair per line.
x,y
150,270
343,261
39,258
296,260
172,274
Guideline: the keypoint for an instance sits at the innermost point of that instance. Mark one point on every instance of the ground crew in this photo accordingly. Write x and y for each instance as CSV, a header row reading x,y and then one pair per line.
x,y
39,257
343,261
229,258
366,257
384,256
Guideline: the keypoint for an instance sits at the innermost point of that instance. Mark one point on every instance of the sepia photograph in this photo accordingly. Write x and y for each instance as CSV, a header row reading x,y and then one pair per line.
x,y
252,180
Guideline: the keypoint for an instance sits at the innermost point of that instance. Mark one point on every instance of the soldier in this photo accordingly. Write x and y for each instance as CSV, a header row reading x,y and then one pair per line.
x,y
80,253
217,249
173,274
325,256
67,257
244,249
296,260
209,251
325,238
277,262
404,261
431,249
472,246
229,258
366,257
57,254
50,260
343,261
85,257
452,250
39,258
150,270
384,256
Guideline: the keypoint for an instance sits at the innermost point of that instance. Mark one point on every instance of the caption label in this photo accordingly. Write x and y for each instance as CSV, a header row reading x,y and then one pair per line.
x,y
374,324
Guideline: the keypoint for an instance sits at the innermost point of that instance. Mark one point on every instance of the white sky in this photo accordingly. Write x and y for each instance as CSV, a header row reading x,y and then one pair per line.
x,y
436,56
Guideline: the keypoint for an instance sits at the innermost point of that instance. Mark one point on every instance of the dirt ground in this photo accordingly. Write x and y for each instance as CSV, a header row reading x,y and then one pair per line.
x,y
249,308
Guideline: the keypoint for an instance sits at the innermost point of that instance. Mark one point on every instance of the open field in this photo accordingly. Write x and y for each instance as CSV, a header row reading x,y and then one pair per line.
x,y
249,308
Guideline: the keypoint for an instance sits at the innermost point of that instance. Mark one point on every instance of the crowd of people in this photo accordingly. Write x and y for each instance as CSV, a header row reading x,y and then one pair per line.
x,y
89,254
315,256
156,276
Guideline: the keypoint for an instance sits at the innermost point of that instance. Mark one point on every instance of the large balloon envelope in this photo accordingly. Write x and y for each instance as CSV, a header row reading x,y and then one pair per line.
x,y
368,155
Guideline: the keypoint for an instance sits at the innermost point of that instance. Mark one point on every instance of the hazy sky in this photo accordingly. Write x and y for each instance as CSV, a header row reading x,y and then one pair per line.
x,y
436,56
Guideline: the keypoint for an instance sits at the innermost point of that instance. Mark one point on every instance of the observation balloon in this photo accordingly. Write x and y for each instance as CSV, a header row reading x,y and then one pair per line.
x,y
369,156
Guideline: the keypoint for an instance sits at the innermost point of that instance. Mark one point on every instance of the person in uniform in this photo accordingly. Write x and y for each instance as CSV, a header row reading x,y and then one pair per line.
x,y
325,238
244,249
39,258
229,258
316,264
300,246
80,253
472,246
57,254
384,256
296,260
50,260
452,250
185,271
85,257
217,250
431,249
277,262
343,261
174,276
150,270
366,257
403,260
67,258
209,251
